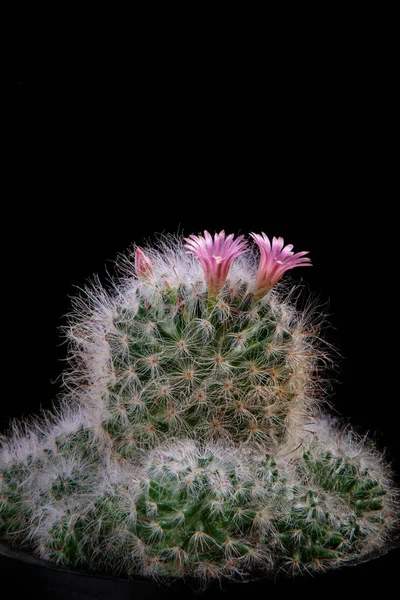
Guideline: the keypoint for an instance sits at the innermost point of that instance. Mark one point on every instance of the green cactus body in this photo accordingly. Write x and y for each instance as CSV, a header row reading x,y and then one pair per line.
x,y
182,366
191,441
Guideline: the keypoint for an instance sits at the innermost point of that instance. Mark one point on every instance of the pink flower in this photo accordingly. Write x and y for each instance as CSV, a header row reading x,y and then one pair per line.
x,y
275,260
143,265
216,255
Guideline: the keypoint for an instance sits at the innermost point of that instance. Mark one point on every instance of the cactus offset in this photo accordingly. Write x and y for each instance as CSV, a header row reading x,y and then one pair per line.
x,y
189,441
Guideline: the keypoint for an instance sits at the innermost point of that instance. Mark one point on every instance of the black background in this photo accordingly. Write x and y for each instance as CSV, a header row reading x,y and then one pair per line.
x,y
102,153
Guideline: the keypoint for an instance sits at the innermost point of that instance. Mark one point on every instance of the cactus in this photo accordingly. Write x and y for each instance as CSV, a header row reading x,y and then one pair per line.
x,y
174,358
191,440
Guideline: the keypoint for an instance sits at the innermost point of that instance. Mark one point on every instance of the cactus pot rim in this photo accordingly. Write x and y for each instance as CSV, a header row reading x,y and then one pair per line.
x,y
24,556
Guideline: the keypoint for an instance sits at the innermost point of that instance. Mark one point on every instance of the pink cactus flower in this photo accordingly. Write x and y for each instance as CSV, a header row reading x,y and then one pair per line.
x,y
143,265
216,256
275,260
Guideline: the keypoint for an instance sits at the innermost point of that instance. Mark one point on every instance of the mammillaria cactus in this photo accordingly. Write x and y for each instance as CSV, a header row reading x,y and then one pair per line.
x,y
191,439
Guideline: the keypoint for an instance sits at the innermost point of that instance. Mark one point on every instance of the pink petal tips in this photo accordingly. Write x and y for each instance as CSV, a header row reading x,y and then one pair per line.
x,y
216,255
143,265
275,260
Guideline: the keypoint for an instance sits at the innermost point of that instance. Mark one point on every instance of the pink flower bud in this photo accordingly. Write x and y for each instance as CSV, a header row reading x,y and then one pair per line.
x,y
143,265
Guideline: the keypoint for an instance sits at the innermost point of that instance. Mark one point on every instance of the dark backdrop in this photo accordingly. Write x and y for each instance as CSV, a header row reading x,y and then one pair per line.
x,y
98,159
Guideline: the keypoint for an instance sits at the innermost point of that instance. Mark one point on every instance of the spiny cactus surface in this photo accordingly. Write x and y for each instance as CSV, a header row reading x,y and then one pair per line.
x,y
191,439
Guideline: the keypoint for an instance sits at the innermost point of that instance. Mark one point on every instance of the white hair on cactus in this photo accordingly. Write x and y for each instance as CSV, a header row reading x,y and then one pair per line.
x,y
191,438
